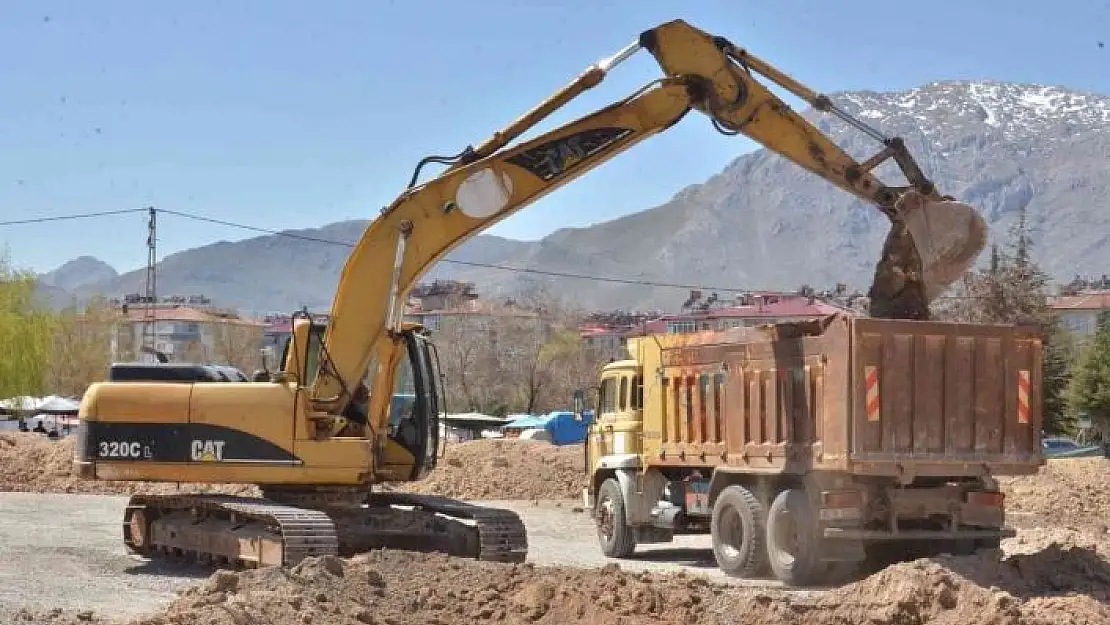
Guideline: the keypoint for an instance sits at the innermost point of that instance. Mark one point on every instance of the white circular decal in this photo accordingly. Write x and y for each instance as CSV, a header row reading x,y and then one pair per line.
x,y
484,193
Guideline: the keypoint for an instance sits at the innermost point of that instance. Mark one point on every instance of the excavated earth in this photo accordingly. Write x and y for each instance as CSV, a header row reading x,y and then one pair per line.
x,y
1056,571
506,469
475,470
1053,578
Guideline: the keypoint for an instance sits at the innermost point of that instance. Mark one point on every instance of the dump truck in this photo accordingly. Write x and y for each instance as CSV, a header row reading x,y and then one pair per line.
x,y
812,447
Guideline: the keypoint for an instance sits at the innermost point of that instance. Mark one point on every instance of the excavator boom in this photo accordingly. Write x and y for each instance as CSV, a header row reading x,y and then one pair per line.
x,y
488,183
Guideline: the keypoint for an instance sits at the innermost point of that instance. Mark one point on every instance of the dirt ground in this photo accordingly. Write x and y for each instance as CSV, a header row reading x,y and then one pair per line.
x,y
1056,578
1056,571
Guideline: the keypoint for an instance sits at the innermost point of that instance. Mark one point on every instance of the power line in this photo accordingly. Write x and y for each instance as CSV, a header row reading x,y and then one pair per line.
x,y
39,220
542,272
525,270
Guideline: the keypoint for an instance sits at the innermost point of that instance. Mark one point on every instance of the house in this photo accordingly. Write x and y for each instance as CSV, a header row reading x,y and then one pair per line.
x,y
748,310
185,333
607,342
1079,312
476,314
276,330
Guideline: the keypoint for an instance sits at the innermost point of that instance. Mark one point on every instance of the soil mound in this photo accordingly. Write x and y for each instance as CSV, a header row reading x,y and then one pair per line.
x,y
506,469
1058,583
32,463
1072,493
483,469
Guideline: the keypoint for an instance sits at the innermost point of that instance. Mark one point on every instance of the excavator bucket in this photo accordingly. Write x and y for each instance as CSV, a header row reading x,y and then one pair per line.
x,y
948,235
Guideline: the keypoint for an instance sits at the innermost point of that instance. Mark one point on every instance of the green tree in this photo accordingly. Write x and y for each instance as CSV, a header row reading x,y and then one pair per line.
x,y
1089,391
26,333
82,343
1059,356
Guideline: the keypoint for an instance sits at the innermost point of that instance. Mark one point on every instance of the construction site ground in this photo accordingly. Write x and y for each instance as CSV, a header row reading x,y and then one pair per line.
x,y
64,564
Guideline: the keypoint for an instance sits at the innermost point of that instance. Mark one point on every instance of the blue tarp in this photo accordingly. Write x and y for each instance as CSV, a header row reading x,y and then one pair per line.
x,y
560,424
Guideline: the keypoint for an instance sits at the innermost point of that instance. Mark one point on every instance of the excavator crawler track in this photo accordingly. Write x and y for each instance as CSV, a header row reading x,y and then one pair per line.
x,y
223,529
253,532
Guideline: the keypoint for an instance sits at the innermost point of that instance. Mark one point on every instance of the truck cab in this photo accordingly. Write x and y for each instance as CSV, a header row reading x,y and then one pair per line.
x,y
615,434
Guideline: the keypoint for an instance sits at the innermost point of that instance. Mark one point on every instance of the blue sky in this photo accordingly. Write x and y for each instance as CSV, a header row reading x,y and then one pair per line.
x,y
289,114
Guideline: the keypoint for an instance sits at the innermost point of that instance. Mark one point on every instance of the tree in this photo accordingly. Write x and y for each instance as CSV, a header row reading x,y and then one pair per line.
x,y
237,343
82,347
523,357
1059,355
1089,391
26,330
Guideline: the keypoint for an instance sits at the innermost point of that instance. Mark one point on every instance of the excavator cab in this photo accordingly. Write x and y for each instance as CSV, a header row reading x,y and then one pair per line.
x,y
416,402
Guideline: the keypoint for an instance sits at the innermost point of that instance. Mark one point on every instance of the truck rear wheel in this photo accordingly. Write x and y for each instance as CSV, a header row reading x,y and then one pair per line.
x,y
793,541
738,532
613,532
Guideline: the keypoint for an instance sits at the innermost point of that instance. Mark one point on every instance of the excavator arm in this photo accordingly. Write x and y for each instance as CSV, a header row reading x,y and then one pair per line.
x,y
488,183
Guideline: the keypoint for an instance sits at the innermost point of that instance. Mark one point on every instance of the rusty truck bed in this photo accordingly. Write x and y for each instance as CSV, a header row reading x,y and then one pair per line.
x,y
868,396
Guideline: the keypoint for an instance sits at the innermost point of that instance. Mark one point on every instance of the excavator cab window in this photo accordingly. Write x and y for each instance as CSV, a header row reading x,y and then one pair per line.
x,y
312,355
415,404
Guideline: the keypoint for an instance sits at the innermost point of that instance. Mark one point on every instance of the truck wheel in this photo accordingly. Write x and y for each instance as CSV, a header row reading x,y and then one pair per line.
x,y
793,542
738,532
613,531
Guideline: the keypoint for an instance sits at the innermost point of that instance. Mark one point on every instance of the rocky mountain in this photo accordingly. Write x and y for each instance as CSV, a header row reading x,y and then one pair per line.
x,y
80,272
762,222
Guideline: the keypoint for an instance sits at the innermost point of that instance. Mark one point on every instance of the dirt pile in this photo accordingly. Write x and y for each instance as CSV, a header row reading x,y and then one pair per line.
x,y
1072,493
1046,576
1052,577
506,469
33,463
484,469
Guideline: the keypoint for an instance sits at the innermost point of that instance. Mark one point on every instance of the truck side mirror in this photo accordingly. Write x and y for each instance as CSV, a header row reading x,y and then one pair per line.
x,y
579,404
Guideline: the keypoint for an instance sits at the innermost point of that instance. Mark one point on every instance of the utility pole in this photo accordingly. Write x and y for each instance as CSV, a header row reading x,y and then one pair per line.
x,y
151,298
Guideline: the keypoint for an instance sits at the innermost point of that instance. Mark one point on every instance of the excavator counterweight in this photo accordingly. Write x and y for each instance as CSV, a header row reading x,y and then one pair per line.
x,y
357,403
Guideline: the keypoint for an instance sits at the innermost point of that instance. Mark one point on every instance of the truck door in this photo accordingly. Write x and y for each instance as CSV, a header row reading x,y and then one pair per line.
x,y
601,432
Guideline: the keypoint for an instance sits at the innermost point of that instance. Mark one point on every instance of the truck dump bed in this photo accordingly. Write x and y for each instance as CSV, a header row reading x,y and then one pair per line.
x,y
867,396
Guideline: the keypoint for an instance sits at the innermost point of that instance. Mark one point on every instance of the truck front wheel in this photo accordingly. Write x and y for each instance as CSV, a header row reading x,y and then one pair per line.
x,y
613,532
793,541
738,533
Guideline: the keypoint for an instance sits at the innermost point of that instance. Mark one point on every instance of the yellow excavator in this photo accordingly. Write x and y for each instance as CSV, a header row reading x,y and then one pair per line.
x,y
356,403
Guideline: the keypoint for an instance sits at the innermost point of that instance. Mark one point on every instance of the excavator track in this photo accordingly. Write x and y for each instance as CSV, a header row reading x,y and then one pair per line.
x,y
240,531
254,532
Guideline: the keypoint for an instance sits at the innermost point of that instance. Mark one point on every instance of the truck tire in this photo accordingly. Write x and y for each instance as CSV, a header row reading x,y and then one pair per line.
x,y
738,532
613,532
793,541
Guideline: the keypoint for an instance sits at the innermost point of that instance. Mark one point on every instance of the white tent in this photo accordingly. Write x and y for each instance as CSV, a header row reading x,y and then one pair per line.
x,y
51,404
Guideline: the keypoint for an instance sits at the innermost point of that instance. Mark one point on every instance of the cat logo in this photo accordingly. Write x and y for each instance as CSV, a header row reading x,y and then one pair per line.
x,y
207,451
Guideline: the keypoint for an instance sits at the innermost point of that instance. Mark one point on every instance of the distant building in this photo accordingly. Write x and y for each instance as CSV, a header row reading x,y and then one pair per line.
x,y
1079,312
443,295
276,330
184,333
607,332
470,311
746,310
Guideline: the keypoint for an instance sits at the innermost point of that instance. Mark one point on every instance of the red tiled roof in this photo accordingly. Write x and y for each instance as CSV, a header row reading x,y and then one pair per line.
x,y
139,315
1085,301
792,307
